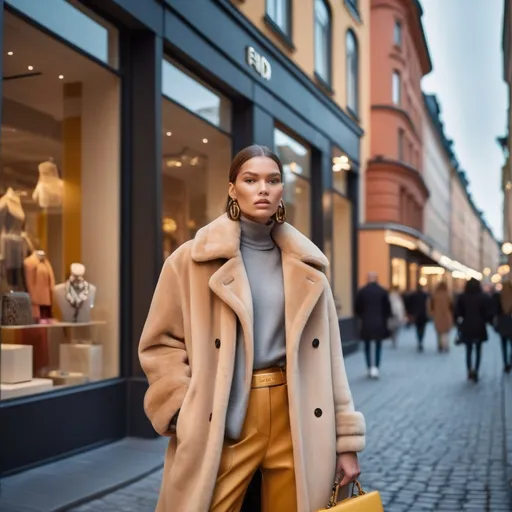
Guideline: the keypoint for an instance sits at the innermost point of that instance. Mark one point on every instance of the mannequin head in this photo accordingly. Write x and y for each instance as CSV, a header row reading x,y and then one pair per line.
x,y
48,169
256,184
77,269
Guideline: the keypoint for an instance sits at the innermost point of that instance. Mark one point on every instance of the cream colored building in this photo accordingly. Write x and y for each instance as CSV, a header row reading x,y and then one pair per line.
x,y
299,46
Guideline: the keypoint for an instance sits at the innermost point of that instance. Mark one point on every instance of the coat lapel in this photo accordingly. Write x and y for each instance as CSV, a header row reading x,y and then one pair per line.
x,y
231,284
303,282
303,286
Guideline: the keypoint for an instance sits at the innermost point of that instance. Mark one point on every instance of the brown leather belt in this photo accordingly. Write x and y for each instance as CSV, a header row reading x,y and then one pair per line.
x,y
268,377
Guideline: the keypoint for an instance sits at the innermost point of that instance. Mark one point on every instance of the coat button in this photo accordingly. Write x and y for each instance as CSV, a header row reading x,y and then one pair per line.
x,y
316,343
318,413
210,418
217,343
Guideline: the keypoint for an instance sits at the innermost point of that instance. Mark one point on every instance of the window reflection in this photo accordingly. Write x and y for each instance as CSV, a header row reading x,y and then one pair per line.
x,y
296,160
195,96
195,164
74,23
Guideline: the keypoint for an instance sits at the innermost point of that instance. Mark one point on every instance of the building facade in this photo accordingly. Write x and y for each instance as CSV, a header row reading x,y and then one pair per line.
x,y
396,193
119,122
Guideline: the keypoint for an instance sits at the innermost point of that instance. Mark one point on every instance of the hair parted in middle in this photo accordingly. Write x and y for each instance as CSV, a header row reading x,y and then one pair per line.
x,y
240,159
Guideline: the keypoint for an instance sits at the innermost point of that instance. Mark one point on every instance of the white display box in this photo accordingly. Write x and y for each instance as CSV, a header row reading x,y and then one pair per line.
x,y
25,388
82,358
16,363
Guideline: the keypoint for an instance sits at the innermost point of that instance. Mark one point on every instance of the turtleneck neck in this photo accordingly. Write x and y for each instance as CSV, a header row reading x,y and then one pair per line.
x,y
255,235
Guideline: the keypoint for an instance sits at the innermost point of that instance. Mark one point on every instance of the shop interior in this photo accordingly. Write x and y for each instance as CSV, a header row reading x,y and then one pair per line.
x,y
59,182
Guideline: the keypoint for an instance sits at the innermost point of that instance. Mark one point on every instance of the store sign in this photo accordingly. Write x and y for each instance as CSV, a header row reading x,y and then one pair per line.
x,y
259,63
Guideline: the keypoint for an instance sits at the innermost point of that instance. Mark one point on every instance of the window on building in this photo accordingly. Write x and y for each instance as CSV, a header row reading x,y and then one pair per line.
x,y
196,154
323,41
397,34
399,273
397,88
352,71
401,136
296,159
279,12
59,204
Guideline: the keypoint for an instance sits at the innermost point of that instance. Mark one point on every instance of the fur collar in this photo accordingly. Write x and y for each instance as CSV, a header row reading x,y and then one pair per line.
x,y
221,239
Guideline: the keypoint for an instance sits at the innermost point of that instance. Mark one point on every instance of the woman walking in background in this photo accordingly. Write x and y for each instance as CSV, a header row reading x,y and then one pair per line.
x,y
503,307
398,315
440,308
472,314
417,307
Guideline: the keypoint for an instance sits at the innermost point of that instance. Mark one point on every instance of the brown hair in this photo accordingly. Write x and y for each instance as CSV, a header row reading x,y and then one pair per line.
x,y
506,298
244,156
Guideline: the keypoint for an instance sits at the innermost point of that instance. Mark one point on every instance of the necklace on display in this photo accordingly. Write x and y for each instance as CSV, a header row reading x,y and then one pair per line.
x,y
77,292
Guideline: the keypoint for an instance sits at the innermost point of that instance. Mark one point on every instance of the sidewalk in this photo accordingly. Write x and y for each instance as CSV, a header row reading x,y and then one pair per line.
x,y
60,485
435,442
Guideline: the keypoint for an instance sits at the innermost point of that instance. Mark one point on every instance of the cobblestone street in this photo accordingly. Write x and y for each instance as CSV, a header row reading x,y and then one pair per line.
x,y
435,441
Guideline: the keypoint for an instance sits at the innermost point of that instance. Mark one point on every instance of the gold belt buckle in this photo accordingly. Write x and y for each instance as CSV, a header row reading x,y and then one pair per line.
x,y
270,379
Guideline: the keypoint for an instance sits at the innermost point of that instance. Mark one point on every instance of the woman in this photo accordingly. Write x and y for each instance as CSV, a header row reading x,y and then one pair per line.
x,y
417,307
398,316
472,314
242,352
503,306
440,308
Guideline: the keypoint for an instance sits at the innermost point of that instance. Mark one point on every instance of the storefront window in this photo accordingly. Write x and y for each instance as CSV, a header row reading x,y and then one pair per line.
x,y
198,98
341,261
413,276
59,215
399,273
296,159
342,254
196,156
71,21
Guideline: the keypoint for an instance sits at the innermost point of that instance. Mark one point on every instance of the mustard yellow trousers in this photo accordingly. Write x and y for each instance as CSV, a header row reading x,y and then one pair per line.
x,y
265,444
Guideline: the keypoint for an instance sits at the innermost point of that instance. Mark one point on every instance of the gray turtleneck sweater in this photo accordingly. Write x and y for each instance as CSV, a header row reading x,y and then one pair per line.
x,y
262,261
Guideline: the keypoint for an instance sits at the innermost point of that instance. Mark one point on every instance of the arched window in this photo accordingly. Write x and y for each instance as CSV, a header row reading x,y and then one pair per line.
x,y
352,71
323,41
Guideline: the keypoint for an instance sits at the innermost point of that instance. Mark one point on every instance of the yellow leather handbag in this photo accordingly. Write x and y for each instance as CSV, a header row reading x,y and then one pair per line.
x,y
363,502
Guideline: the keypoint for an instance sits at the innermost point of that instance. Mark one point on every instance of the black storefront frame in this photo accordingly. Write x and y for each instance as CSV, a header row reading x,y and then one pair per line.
x,y
148,29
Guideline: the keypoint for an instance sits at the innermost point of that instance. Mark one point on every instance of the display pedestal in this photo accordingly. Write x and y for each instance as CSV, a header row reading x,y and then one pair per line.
x,y
62,378
16,364
25,388
82,358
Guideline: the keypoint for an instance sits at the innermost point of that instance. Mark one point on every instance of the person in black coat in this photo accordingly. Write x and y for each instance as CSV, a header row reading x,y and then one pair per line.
x,y
374,311
472,313
503,323
417,309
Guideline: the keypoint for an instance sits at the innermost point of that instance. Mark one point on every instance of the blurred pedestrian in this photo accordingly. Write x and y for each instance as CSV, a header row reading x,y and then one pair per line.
x,y
440,308
374,310
472,314
398,316
503,309
417,305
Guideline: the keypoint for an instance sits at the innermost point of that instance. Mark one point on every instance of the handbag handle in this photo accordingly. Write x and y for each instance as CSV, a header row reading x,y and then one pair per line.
x,y
335,490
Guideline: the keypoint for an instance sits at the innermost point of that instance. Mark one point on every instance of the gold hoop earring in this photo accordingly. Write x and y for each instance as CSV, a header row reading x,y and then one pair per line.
x,y
281,213
234,210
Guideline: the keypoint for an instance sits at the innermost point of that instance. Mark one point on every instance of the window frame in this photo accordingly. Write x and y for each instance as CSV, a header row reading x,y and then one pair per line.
x,y
397,101
352,75
397,31
327,81
401,145
284,32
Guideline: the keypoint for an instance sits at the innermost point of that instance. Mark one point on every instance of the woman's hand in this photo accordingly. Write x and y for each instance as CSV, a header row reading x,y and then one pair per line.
x,y
347,466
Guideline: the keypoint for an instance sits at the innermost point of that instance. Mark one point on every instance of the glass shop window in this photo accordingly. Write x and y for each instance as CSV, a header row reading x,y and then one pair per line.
x,y
59,213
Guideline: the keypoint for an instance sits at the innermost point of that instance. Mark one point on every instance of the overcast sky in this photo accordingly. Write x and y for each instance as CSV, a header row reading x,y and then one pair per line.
x,y
464,38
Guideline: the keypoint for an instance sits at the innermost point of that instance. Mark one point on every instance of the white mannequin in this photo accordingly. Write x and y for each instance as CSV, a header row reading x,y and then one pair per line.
x,y
67,310
50,187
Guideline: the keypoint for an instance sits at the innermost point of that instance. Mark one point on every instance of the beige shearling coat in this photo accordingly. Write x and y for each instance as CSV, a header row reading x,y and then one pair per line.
x,y
187,351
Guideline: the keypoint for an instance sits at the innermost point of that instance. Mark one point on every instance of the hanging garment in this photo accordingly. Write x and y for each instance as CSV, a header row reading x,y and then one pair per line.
x,y
40,281
50,188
